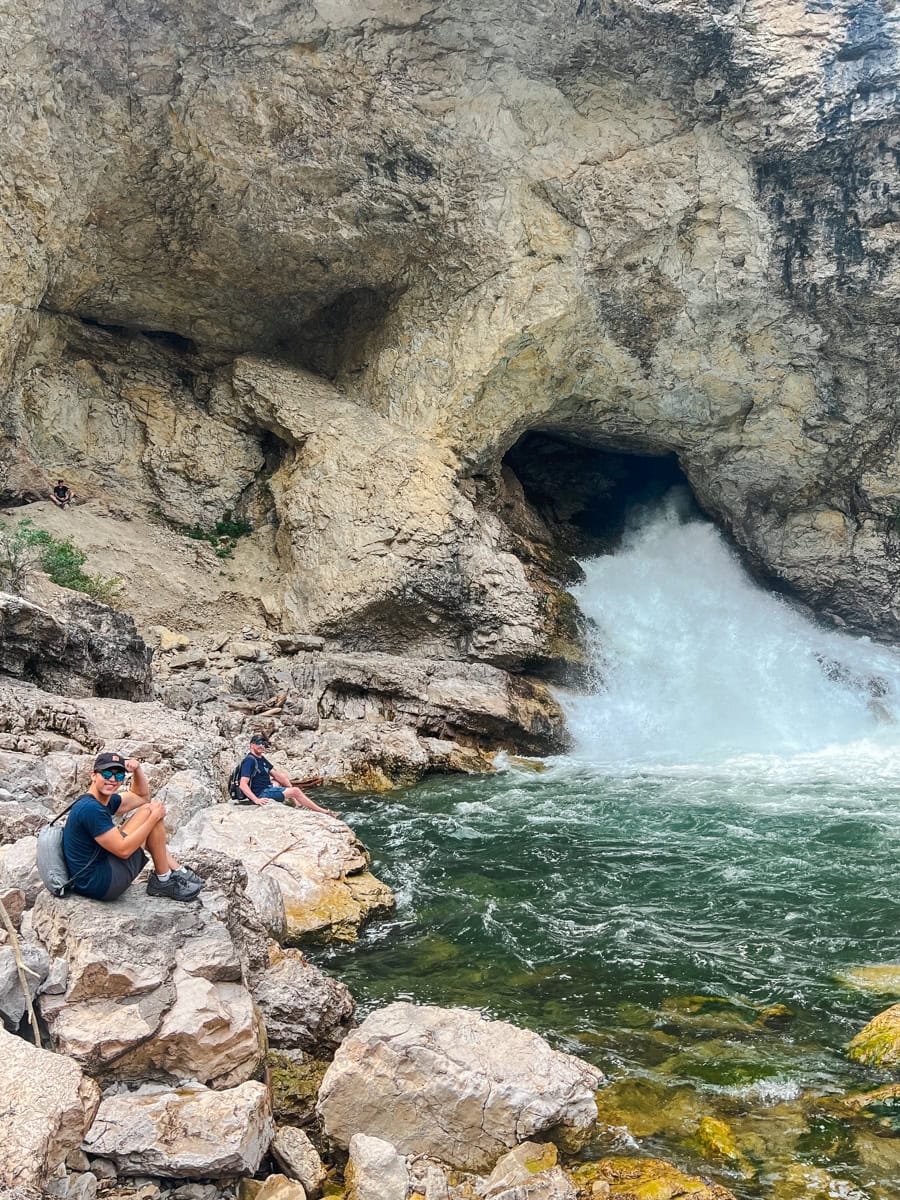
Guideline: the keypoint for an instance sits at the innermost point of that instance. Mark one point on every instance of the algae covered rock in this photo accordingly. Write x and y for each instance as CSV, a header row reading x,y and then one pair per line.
x,y
878,1043
716,1141
295,1079
644,1179
451,1085
529,1172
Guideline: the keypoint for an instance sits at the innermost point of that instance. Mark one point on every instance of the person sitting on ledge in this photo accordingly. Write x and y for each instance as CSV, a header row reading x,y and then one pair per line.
x,y
104,860
257,774
61,495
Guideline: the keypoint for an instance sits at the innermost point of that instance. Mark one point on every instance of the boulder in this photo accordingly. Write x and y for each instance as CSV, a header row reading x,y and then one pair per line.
x,y
18,868
375,1171
451,1085
154,989
318,865
299,1159
49,1105
12,999
273,1187
529,1172
878,1043
302,1007
184,794
92,651
170,640
187,659
194,1133
79,1185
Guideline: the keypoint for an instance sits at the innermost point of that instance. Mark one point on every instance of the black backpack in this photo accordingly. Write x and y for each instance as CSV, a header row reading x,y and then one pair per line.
x,y
234,784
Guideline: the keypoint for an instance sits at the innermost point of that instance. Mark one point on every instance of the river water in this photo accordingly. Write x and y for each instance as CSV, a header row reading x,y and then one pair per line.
x,y
678,898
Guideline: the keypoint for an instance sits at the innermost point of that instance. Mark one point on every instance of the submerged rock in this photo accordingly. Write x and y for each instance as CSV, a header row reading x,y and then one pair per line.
x,y
192,1133
451,1085
644,1179
883,980
48,1105
878,1043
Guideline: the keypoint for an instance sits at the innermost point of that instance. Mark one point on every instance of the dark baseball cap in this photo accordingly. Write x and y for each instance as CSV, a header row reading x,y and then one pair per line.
x,y
258,739
106,761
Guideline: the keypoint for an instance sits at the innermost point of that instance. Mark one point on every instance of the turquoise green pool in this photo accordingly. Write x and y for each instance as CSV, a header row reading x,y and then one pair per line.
x,y
597,909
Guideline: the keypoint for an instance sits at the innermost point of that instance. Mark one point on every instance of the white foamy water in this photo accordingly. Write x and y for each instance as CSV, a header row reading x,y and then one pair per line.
x,y
700,670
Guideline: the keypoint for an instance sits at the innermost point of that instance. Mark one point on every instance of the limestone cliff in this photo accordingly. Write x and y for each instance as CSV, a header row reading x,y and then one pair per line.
x,y
327,265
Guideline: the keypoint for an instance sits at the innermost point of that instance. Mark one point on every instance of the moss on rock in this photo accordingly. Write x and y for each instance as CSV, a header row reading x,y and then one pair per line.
x,y
878,1043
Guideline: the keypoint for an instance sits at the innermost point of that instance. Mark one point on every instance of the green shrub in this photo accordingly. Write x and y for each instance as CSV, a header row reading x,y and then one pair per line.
x,y
62,561
18,557
224,534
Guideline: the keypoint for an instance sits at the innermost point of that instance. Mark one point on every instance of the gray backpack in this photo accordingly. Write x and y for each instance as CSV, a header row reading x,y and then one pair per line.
x,y
51,861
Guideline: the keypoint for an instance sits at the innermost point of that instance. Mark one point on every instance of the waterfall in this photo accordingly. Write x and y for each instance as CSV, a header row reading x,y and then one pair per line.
x,y
696,664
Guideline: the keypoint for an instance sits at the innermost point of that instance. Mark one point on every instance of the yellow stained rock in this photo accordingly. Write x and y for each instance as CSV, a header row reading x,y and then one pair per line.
x,y
878,1043
882,980
644,1179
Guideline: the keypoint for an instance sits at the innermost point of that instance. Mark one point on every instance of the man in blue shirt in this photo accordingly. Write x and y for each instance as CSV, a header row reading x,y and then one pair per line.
x,y
257,774
104,860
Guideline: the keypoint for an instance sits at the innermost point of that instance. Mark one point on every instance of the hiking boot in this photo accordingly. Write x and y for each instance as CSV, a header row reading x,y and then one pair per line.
x,y
175,887
190,875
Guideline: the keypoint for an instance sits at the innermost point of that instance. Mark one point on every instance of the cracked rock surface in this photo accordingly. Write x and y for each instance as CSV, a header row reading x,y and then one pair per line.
x,y
451,1085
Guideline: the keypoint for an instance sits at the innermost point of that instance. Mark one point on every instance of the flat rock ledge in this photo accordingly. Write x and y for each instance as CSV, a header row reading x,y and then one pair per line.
x,y
451,1085
47,1105
192,1133
316,863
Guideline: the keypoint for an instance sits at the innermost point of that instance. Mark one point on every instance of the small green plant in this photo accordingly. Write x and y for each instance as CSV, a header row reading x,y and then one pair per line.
x,y
18,557
61,559
224,534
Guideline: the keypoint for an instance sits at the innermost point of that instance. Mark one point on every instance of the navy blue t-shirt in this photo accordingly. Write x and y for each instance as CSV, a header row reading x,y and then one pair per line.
x,y
87,820
258,771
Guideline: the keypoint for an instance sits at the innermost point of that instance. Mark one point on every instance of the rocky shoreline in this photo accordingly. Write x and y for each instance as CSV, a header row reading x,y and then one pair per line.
x,y
193,1052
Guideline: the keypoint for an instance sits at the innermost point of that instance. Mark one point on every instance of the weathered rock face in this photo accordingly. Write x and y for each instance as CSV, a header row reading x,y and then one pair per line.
x,y
337,283
375,1171
89,650
154,990
448,1084
319,867
296,1154
302,1008
48,1105
193,1133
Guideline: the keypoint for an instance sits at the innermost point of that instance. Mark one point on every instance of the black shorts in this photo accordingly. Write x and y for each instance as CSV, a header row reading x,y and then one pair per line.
x,y
124,873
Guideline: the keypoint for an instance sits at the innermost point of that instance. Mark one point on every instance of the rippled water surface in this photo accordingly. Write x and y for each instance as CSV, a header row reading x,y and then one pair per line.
x,y
723,839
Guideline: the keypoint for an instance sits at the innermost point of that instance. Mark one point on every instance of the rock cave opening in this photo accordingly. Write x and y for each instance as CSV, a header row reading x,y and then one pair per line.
x,y
574,497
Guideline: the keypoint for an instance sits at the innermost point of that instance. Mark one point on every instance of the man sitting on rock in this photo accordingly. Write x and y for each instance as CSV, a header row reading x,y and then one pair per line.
x,y
257,774
61,495
104,860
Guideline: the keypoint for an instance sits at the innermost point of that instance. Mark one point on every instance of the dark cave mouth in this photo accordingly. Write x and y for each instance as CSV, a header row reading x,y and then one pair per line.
x,y
576,497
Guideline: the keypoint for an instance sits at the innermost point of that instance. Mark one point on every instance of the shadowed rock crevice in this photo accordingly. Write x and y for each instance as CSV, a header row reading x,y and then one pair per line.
x,y
575,498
